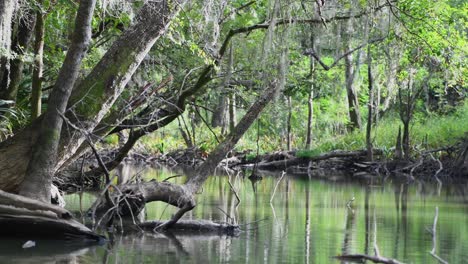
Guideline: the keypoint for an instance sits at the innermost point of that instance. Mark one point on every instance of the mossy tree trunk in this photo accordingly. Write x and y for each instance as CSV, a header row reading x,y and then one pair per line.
x,y
7,9
40,171
9,90
92,98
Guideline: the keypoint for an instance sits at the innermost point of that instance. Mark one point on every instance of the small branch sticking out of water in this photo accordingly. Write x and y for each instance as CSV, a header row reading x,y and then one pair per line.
x,y
276,186
377,258
348,205
434,238
234,191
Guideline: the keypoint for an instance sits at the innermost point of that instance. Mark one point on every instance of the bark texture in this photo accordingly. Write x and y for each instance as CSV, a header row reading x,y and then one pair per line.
x,y
39,31
351,67
39,174
7,9
92,98
20,45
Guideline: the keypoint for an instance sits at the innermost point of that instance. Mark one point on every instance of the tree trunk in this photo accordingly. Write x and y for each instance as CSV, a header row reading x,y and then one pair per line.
x,y
220,114
20,46
41,167
398,148
185,134
232,111
406,140
202,173
310,100
7,9
288,123
182,196
370,155
310,116
92,98
36,96
351,67
353,103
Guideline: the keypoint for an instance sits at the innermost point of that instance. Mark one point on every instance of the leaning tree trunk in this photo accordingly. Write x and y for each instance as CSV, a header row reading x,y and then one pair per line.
x,y
40,171
92,98
183,196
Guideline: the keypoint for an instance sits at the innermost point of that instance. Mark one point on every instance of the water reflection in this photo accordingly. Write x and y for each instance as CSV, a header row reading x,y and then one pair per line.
x,y
306,222
11,251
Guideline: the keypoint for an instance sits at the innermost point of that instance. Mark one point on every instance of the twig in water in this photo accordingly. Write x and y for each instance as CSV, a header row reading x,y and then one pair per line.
x,y
348,205
276,186
226,214
377,258
434,238
234,191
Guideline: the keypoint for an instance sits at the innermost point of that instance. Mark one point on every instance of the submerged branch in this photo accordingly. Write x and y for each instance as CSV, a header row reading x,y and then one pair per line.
x,y
276,186
434,238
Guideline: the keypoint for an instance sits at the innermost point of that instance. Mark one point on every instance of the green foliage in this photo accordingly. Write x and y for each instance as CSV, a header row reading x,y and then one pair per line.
x,y
305,153
440,131
250,156
112,140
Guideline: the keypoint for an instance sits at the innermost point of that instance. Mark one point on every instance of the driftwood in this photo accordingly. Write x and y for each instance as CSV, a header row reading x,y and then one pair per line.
x,y
202,226
284,164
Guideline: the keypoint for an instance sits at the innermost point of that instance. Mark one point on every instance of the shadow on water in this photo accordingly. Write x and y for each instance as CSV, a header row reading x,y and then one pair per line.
x,y
45,251
309,220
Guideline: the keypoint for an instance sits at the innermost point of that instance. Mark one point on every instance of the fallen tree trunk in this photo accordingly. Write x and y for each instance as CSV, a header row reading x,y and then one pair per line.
x,y
201,226
284,164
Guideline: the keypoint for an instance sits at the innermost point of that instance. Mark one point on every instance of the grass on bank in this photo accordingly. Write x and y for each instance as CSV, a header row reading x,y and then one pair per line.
x,y
440,130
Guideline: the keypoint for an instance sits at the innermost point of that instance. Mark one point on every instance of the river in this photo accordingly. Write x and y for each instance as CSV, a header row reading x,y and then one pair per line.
x,y
309,220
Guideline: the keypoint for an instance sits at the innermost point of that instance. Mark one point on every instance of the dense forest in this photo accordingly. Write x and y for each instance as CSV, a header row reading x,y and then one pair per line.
x,y
270,83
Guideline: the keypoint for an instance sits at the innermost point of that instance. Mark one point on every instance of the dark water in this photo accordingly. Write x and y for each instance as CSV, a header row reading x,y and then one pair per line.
x,y
308,221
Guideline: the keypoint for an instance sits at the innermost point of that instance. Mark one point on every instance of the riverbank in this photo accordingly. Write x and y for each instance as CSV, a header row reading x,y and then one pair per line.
x,y
439,165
